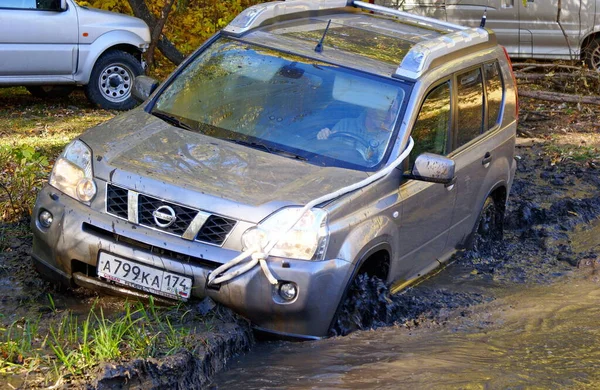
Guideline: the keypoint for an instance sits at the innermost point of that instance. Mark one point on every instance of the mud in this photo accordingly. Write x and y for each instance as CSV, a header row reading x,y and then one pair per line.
x,y
547,202
517,313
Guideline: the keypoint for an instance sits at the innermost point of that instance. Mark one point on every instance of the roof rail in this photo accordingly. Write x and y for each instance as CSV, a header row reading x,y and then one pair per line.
x,y
254,16
422,55
394,12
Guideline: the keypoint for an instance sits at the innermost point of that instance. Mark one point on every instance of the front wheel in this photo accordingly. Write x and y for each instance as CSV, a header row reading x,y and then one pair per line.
x,y
111,80
490,224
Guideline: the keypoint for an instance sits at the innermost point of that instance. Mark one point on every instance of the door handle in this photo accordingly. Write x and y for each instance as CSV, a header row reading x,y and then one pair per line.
x,y
486,159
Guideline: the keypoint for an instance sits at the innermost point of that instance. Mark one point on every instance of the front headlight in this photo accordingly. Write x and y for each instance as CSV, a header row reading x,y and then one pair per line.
x,y
307,240
72,172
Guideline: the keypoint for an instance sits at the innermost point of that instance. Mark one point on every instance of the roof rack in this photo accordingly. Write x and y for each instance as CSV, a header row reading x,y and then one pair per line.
x,y
258,14
420,57
411,17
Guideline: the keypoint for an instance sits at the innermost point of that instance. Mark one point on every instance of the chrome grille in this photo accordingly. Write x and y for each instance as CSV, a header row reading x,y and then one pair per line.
x,y
214,230
116,201
147,205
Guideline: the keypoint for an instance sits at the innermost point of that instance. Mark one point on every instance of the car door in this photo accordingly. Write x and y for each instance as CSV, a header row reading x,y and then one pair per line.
x,y
36,38
539,32
502,16
426,207
478,109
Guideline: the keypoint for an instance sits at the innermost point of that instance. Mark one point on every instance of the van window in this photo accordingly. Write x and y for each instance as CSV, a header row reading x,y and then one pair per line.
x,y
470,106
494,90
430,131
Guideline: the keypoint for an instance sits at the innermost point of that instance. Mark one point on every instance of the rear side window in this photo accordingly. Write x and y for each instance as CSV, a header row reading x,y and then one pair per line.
x,y
430,132
470,106
494,90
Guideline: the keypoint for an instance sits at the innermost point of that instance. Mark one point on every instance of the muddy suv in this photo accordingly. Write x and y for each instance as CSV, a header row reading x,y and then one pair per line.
x,y
305,144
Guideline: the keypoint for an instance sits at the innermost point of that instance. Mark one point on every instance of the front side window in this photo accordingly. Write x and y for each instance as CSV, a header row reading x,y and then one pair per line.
x,y
42,5
470,106
322,113
430,131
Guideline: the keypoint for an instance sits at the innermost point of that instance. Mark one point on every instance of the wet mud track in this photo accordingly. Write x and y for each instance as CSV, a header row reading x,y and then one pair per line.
x,y
551,243
549,207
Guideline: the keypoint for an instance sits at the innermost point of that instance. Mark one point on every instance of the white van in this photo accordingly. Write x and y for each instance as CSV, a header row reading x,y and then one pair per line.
x,y
527,28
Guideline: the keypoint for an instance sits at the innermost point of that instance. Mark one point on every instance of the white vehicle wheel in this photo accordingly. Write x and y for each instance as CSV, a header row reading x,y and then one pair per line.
x,y
591,54
112,80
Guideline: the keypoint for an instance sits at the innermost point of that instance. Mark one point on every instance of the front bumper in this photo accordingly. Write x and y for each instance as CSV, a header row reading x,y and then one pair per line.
x,y
68,250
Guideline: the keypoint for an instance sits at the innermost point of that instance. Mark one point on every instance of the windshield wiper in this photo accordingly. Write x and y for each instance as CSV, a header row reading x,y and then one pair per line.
x,y
268,149
172,120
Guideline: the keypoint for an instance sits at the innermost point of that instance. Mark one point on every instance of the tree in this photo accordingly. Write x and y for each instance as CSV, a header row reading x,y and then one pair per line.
x,y
140,9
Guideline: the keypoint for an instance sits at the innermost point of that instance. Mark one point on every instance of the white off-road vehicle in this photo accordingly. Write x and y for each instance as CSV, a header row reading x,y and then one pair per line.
x,y
52,46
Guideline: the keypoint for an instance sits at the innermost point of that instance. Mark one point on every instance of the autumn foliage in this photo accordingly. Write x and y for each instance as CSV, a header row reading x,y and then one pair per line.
x,y
190,22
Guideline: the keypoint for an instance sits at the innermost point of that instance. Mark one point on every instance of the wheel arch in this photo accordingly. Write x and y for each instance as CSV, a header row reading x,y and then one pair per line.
x,y
585,42
114,40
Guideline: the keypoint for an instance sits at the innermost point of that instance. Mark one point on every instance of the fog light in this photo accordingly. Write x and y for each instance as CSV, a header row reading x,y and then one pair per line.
x,y
288,291
45,219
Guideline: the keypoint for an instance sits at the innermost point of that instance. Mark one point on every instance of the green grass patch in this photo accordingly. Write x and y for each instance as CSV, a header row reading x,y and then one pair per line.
x,y
68,345
32,134
579,153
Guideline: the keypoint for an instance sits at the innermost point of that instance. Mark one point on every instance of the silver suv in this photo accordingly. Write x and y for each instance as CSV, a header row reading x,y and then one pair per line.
x,y
278,163
51,46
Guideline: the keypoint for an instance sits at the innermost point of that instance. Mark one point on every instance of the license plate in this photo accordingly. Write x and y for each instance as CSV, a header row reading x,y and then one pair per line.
x,y
143,277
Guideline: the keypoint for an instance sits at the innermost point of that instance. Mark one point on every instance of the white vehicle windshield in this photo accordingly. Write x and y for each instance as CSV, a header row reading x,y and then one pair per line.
x,y
287,104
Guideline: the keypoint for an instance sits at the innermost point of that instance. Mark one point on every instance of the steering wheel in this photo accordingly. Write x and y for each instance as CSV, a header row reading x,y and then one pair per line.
x,y
354,137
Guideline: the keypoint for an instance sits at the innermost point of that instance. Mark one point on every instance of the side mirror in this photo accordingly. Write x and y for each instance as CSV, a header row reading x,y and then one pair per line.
x,y
433,168
143,86
63,5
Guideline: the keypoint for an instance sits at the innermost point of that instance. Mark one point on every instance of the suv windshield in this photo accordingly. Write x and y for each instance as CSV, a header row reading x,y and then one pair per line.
x,y
286,104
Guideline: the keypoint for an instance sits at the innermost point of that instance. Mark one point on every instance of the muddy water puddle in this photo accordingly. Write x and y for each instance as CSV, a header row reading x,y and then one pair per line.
x,y
543,333
544,337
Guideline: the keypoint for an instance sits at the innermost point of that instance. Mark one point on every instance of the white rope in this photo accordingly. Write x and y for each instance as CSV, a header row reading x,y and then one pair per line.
x,y
260,256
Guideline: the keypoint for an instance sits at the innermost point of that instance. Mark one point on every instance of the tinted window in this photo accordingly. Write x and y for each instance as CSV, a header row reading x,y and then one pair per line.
x,y
470,106
430,132
493,87
31,4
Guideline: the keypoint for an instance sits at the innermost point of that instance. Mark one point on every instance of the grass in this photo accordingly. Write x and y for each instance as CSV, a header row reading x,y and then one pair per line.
x,y
69,345
32,134
579,153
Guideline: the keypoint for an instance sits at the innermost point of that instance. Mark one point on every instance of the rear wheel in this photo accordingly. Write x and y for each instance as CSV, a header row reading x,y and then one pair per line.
x,y
111,80
50,91
591,54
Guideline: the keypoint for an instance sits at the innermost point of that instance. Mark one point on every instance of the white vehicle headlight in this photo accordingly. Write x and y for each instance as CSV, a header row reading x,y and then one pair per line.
x,y
72,172
307,240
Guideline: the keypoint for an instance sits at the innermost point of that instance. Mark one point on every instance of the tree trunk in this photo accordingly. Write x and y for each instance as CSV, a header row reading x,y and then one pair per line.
x,y
560,97
140,10
157,32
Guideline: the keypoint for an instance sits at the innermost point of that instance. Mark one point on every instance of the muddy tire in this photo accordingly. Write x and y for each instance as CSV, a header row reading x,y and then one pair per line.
x,y
51,91
591,54
490,226
363,306
111,81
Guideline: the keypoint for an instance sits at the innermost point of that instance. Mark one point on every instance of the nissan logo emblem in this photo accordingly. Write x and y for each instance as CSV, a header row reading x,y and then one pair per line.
x,y
164,216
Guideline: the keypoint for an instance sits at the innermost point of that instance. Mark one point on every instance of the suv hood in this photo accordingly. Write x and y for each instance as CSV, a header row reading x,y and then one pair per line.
x,y
141,152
